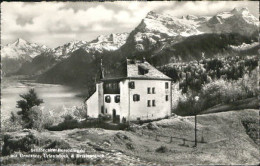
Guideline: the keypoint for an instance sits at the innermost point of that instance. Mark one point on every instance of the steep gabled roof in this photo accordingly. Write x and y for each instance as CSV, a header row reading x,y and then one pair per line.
x,y
135,69
142,69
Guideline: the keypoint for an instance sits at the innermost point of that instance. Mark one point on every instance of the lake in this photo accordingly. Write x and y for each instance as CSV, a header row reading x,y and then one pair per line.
x,y
57,98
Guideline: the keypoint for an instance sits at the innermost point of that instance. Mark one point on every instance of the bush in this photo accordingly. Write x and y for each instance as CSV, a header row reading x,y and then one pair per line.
x,y
12,144
28,101
252,129
218,92
162,149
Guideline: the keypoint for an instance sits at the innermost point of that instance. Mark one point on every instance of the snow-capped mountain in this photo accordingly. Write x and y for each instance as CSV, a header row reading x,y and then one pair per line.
x,y
14,55
51,57
66,49
156,27
22,49
106,43
236,21
101,43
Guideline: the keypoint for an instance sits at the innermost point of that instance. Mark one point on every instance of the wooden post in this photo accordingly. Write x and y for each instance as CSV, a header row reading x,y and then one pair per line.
x,y
195,130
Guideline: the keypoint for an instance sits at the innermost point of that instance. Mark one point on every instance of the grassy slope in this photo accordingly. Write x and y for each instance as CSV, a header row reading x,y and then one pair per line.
x,y
226,137
250,103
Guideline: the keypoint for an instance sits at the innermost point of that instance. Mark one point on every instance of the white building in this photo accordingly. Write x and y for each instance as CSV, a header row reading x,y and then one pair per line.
x,y
137,91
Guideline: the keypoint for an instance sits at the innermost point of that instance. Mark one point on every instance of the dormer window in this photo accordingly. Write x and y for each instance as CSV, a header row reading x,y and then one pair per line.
x,y
142,70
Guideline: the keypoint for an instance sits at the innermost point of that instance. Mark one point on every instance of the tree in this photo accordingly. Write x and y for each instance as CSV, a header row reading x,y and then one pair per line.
x,y
29,100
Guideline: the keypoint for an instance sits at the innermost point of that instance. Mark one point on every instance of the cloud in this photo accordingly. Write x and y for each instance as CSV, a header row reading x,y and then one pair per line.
x,y
208,7
55,23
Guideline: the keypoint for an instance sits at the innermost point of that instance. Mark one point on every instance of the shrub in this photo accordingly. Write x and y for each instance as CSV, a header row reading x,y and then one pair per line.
x,y
28,101
162,149
218,92
12,143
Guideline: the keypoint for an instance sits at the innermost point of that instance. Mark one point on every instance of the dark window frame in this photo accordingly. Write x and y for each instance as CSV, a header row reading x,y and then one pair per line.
x,y
148,103
108,99
153,103
132,85
167,98
117,98
166,85
148,90
153,90
136,97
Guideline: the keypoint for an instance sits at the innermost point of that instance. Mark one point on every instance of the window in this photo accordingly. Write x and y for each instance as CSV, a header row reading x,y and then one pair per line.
x,y
117,99
153,103
153,90
166,97
107,85
148,103
107,99
136,97
132,85
113,85
148,90
166,85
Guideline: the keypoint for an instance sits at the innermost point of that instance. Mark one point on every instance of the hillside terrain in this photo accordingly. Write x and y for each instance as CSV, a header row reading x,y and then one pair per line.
x,y
229,138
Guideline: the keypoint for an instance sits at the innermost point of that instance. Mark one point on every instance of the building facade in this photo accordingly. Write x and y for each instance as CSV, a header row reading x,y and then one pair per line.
x,y
140,93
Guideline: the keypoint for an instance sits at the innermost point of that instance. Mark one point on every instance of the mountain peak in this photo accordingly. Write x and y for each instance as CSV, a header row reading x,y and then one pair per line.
x,y
241,10
20,41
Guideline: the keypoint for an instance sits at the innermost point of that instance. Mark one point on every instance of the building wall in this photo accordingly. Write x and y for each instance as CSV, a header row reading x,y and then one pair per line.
x,y
109,107
139,109
124,102
95,102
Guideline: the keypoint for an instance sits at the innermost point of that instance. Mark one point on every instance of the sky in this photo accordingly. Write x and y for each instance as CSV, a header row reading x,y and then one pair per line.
x,y
56,23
